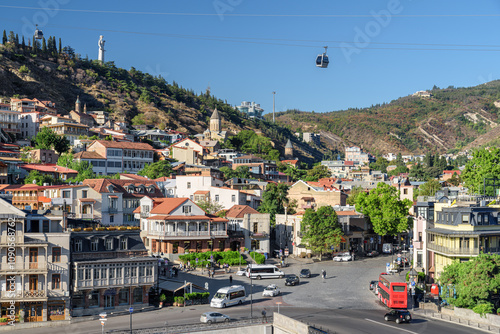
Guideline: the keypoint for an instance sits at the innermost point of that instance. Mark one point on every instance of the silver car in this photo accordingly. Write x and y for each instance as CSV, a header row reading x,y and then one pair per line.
x,y
210,317
343,257
271,291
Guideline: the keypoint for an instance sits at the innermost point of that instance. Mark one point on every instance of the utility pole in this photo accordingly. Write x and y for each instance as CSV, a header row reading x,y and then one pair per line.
x,y
274,94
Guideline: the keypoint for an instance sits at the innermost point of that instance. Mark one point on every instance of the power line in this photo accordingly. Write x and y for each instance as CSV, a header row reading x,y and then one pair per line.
x,y
246,15
281,42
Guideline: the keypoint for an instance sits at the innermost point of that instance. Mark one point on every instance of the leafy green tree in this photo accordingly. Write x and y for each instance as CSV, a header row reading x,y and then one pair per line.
x,y
485,163
318,172
273,199
454,180
156,169
294,173
475,281
210,207
388,214
351,200
380,164
47,139
399,170
417,172
84,168
429,188
35,177
321,229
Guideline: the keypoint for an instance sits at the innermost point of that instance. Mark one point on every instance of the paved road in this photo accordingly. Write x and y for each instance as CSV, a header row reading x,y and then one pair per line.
x,y
342,303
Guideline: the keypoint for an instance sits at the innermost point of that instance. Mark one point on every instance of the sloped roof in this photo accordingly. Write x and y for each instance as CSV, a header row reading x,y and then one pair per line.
x,y
168,205
128,176
124,145
238,211
288,144
215,114
88,155
100,185
48,168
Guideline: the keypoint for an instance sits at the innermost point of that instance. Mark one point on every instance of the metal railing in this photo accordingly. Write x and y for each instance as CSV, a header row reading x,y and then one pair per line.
x,y
191,328
453,250
188,233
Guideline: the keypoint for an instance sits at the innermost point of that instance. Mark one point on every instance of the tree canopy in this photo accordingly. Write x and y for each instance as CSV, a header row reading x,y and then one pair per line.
x,y
321,229
429,188
388,214
156,169
475,281
241,172
210,207
84,168
318,172
273,199
46,139
249,142
485,163
39,179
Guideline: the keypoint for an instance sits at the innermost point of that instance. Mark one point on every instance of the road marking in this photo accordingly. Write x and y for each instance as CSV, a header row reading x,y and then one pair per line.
x,y
397,328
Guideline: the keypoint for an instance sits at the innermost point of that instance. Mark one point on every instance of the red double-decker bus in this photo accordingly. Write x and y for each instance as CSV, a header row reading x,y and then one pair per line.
x,y
392,292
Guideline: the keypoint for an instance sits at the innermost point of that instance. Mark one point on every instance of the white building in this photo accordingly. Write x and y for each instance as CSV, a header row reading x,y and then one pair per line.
x,y
251,109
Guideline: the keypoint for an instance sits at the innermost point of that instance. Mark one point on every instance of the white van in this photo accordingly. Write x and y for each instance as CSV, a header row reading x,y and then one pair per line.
x,y
260,271
229,295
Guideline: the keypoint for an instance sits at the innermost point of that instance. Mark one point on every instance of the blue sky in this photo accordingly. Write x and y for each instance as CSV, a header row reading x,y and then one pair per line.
x,y
245,49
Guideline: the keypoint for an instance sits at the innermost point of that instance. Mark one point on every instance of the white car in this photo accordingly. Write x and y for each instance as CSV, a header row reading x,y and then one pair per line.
x,y
210,317
241,272
271,291
343,257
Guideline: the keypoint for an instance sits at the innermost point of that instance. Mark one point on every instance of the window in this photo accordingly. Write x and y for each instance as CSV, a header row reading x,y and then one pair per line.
x,y
127,272
186,209
187,246
78,300
255,227
94,245
233,198
56,281
465,218
189,185
111,219
141,271
149,271
123,243
78,245
118,272
88,272
56,254
480,219
96,273
216,198
104,273
133,271
109,244
405,191
138,295
46,226
94,298
175,248
66,194
420,236
123,296
84,193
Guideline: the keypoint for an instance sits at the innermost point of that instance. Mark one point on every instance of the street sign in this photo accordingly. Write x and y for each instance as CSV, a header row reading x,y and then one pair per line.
x,y
286,252
206,285
131,309
413,283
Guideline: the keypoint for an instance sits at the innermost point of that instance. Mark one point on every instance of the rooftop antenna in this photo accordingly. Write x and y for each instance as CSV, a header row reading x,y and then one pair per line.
x,y
274,94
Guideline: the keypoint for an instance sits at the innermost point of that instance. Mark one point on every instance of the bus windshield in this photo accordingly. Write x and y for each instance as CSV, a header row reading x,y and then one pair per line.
x,y
219,295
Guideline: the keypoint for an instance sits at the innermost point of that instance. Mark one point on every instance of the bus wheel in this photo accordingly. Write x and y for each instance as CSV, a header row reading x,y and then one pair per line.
x,y
258,277
281,276
240,302
223,305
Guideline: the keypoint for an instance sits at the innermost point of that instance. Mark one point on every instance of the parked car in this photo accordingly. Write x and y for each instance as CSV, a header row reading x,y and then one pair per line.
x,y
210,317
305,273
343,257
372,284
372,253
241,272
398,316
292,280
271,291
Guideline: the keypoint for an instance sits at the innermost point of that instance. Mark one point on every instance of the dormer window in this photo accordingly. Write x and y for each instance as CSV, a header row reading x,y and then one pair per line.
x,y
131,188
151,189
186,209
110,188
94,245
123,243
109,244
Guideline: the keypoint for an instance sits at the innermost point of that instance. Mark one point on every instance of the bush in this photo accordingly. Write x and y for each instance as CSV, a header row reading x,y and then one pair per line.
x,y
179,300
163,297
196,295
24,69
483,308
302,255
258,257
3,319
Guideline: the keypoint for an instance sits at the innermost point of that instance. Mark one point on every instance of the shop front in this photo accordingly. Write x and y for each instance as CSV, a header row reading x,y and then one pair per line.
x,y
56,310
33,311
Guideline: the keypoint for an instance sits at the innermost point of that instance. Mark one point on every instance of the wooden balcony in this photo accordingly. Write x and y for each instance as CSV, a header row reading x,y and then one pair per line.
x,y
27,267
32,295
114,282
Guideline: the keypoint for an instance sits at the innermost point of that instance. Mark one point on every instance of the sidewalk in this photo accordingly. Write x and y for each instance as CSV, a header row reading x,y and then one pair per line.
x,y
456,320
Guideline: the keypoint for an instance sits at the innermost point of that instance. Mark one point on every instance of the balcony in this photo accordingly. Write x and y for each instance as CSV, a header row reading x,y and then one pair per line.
x,y
34,294
110,210
307,206
235,234
17,239
192,234
110,282
145,214
453,251
20,295
29,267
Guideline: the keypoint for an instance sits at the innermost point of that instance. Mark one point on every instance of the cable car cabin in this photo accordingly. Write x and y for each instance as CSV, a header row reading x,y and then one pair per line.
x,y
322,61
38,33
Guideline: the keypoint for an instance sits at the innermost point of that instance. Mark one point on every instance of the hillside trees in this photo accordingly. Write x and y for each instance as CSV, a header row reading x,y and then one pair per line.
x,y
318,172
321,229
429,188
388,214
34,177
485,163
241,172
84,168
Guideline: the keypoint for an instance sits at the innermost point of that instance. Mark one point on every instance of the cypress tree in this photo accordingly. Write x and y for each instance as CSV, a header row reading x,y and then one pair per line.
x,y
4,38
33,45
17,40
44,46
23,44
60,46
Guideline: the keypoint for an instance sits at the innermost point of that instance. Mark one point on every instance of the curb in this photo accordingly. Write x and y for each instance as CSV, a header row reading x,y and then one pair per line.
x,y
431,315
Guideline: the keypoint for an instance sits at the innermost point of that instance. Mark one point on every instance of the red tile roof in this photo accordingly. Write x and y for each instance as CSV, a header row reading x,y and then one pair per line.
x,y
124,145
88,155
238,211
48,168
168,205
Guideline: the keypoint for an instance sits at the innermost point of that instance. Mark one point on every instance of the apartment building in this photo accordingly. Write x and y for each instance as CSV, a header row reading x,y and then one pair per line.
x,y
177,226
313,195
110,272
356,154
123,156
10,122
35,281
64,126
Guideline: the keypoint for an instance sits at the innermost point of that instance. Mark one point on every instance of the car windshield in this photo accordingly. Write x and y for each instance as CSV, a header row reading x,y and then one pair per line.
x,y
304,271
219,295
269,288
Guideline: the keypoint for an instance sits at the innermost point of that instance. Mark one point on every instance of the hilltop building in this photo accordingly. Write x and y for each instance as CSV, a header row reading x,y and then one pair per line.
x,y
251,109
288,150
215,131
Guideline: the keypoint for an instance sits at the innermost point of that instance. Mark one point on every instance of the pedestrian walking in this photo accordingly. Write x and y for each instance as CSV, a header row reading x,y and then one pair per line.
x,y
230,279
264,316
323,273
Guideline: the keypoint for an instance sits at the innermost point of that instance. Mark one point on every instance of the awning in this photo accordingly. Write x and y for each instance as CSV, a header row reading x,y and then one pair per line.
x,y
113,196
307,198
342,239
88,200
432,269
44,199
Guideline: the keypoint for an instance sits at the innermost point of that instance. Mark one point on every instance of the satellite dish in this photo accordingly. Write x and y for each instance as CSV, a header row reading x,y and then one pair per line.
x,y
34,182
